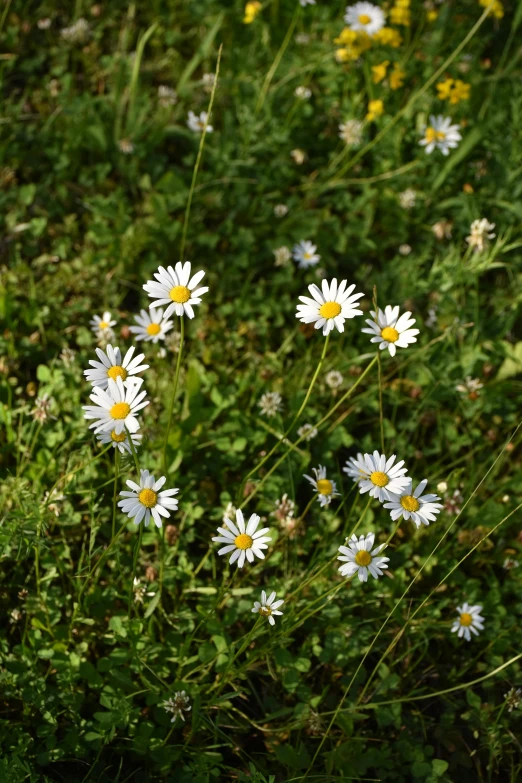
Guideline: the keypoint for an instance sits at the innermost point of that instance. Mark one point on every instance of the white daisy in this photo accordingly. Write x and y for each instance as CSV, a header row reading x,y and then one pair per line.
x,y
268,607
197,124
440,134
176,288
116,408
271,404
378,475
112,366
325,488
390,330
304,253
152,326
103,324
469,620
359,557
243,542
329,308
119,441
146,499
364,18
422,509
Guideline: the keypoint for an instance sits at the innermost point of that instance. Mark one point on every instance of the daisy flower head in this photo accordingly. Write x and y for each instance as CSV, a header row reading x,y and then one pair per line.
x,y
330,306
271,404
410,504
304,254
268,607
360,558
243,541
119,441
469,621
325,488
116,407
378,475
364,17
112,366
440,134
197,124
103,325
146,498
391,331
176,288
151,326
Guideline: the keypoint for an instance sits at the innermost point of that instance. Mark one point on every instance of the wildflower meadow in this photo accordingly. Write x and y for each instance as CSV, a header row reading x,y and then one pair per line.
x,y
260,391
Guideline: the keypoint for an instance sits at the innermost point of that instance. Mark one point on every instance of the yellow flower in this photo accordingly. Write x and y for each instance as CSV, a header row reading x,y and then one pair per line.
x,y
375,109
402,3
251,11
379,71
497,9
444,89
396,77
431,15
399,15
460,92
347,37
353,44
387,36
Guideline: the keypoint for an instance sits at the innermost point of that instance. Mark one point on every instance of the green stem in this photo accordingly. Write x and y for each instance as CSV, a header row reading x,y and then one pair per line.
x,y
114,494
134,565
176,379
279,56
134,454
381,419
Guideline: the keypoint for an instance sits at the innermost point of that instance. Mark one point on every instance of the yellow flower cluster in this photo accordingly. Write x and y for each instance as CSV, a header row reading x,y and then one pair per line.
x,y
497,8
396,77
387,36
375,109
353,43
400,13
453,90
251,11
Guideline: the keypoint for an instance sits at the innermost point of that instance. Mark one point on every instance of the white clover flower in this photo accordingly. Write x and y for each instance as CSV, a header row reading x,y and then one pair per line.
x,y
405,249
408,198
470,387
330,307
391,331
102,325
176,288
271,404
126,146
140,591
334,379
360,558
378,475
513,698
197,124
145,499
166,96
409,504
364,17
177,705
268,607
284,509
440,134
442,229
112,366
243,542
44,23
351,132
304,254
303,92
469,621
282,256
298,156
280,210
307,431
120,440
42,408
325,488
480,232
67,356
152,326
116,408
77,32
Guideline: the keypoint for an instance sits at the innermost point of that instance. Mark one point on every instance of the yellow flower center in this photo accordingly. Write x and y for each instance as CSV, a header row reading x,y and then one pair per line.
x,y
434,135
179,294
363,558
409,503
103,325
153,329
307,255
379,478
117,438
330,309
390,334
243,541
148,497
265,611
117,372
120,410
324,487
466,619
365,19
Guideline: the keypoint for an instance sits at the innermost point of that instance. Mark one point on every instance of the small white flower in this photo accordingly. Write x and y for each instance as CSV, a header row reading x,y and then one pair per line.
x,y
391,331
442,229
116,407
44,24
176,288
303,39
440,134
77,32
280,210
303,92
377,475
152,326
268,607
42,408
307,431
166,96
177,705
409,504
298,156
325,488
470,387
126,146
359,557
351,132
282,256
480,232
120,441
405,250
334,379
304,3
330,307
442,487
230,511
364,18
208,80
145,499
140,591
271,404
304,254
102,325
469,621
197,124
513,698
284,510
67,356
407,198
112,366
243,542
